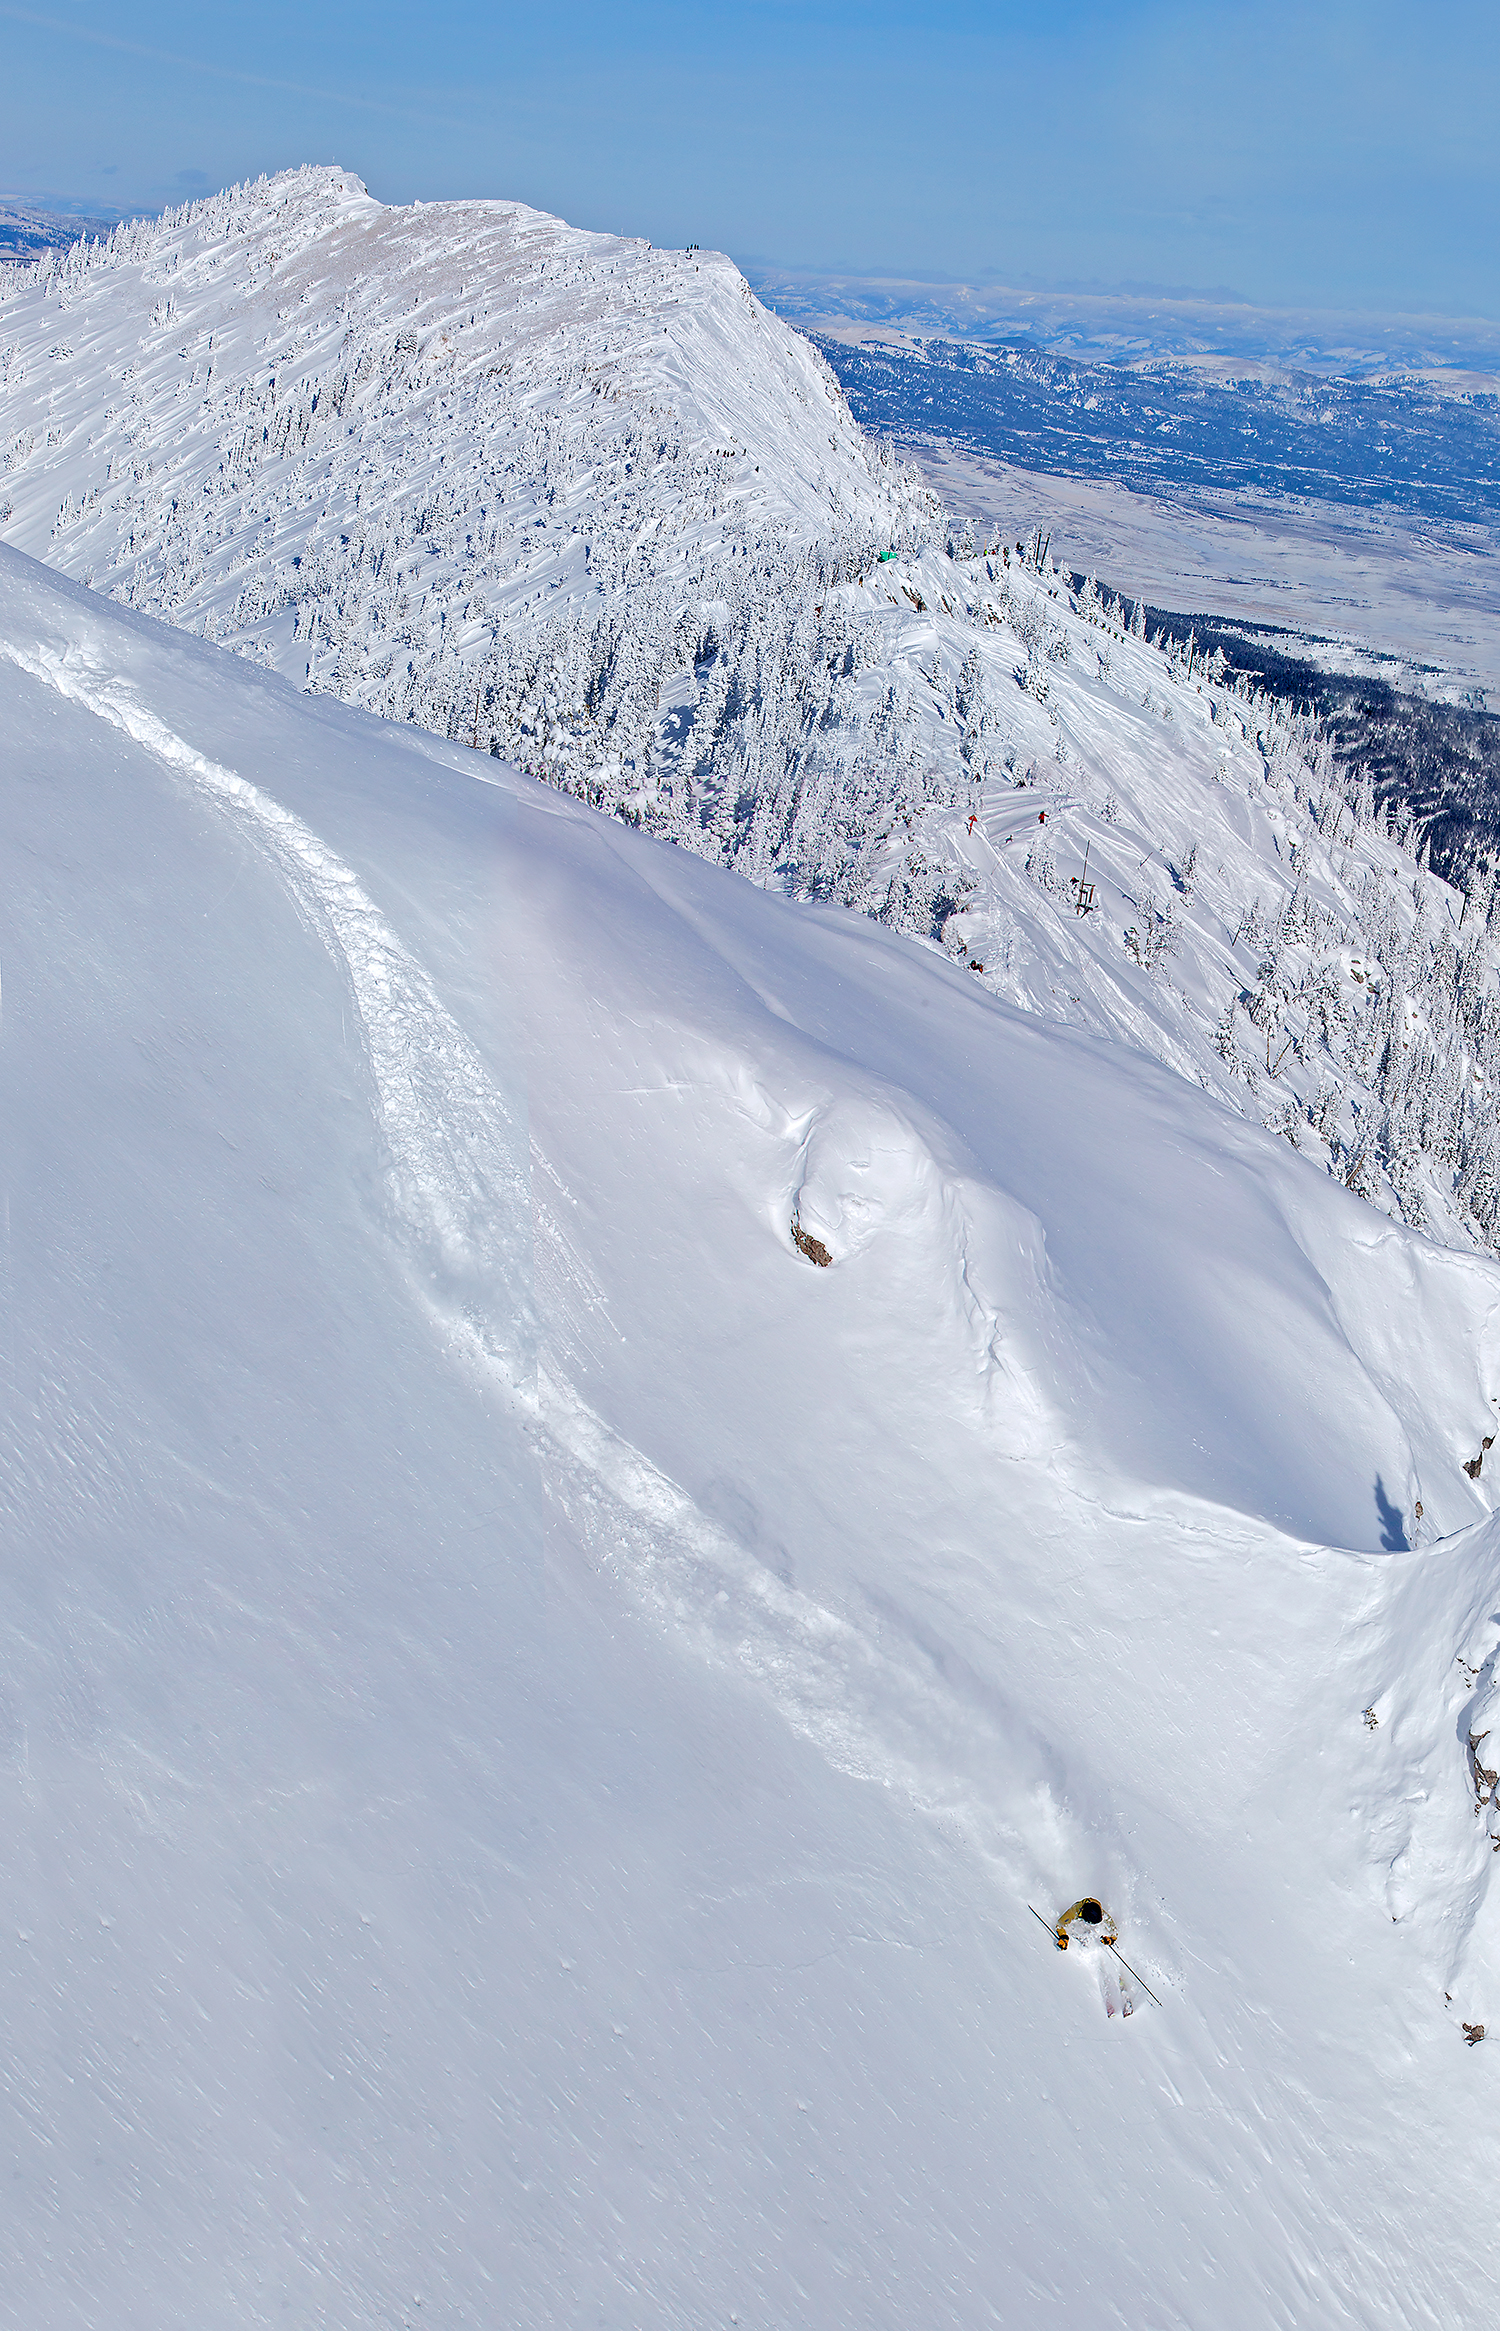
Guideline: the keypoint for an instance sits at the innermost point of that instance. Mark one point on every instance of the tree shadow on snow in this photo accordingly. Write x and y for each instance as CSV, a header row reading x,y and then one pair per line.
x,y
1392,1523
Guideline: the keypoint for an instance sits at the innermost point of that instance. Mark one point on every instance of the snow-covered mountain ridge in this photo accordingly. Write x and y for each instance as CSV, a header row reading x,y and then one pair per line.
x,y
533,1715
464,463
567,498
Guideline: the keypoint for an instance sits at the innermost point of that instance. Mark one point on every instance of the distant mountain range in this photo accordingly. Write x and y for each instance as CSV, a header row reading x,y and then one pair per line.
x,y
1132,324
26,232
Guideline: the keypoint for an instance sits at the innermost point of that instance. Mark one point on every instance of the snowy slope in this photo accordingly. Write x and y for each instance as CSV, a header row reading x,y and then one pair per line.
x,y
533,1714
593,506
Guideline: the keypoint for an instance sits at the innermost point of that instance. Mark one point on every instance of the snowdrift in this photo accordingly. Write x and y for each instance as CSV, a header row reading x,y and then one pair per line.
x,y
533,1712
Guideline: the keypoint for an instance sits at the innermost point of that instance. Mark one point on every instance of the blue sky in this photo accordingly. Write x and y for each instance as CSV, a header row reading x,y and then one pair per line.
x,y
1329,154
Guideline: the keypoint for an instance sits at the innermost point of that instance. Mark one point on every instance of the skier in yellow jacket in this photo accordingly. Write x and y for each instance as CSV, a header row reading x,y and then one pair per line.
x,y
1092,1917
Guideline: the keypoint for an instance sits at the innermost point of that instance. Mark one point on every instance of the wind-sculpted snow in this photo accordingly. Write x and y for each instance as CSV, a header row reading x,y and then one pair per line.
x,y
449,1139
462,1205
492,1847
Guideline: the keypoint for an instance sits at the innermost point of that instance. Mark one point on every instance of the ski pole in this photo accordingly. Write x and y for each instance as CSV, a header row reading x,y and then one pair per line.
x,y
1125,1963
1119,1954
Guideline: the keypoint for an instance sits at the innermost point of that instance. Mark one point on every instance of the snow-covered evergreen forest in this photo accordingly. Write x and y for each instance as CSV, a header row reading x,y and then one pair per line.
x,y
592,508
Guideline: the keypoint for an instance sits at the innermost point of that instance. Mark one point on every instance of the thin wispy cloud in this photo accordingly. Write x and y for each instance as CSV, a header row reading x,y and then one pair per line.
x,y
155,56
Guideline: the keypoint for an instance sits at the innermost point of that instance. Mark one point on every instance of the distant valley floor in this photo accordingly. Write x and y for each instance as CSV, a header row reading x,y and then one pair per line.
x,y
1421,592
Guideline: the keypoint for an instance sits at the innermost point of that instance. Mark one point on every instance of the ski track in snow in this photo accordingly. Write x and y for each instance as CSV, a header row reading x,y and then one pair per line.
x,y
983,1774
450,1141
449,1138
